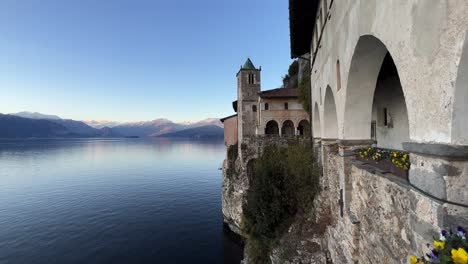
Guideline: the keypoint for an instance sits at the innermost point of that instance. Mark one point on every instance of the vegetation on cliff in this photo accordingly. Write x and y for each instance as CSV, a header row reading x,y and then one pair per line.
x,y
292,80
284,182
304,91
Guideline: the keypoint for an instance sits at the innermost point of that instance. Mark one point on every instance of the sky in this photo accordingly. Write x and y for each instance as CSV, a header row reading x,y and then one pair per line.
x,y
135,60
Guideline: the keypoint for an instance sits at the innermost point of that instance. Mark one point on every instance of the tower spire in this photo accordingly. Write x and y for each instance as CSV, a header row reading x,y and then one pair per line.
x,y
248,65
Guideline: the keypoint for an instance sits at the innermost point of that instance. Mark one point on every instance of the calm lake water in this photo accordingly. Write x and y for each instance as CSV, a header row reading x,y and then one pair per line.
x,y
112,201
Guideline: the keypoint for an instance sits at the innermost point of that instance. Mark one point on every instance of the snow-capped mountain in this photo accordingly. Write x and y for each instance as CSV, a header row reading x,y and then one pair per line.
x,y
34,115
204,122
101,123
161,126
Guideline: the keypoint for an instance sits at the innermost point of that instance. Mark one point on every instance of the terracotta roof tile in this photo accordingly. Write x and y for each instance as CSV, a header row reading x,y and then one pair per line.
x,y
280,93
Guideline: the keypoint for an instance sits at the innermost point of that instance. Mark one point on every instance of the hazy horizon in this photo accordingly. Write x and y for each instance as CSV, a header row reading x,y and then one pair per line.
x,y
129,61
113,121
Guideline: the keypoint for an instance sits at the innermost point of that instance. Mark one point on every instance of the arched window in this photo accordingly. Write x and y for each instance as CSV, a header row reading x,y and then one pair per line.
x,y
288,128
254,108
271,128
266,106
304,128
286,106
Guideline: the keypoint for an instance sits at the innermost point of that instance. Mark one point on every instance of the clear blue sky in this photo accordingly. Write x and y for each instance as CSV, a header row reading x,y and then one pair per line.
x,y
132,60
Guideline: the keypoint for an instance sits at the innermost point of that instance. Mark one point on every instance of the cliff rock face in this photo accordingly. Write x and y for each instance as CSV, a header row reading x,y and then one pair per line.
x,y
235,183
236,170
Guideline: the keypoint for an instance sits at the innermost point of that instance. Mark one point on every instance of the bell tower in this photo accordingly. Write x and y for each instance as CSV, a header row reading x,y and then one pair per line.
x,y
248,87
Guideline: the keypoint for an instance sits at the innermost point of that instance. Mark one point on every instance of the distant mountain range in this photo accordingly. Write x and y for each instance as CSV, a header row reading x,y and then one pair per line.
x,y
203,132
35,115
101,123
161,126
19,127
33,124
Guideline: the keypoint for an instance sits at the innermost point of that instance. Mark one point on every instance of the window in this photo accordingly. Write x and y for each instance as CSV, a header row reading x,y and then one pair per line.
x,y
251,78
286,106
254,108
266,106
338,75
385,117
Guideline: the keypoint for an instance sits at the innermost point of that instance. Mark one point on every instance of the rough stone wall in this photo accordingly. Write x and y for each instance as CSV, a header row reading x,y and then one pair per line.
x,y
395,221
386,219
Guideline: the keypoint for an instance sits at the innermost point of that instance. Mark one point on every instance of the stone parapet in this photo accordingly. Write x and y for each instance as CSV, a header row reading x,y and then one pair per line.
x,y
381,218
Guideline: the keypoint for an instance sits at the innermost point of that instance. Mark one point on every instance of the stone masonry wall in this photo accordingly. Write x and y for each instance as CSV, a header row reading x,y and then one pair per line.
x,y
387,220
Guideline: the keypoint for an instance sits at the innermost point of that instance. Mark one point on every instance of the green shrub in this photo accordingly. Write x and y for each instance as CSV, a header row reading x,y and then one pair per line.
x,y
304,91
284,182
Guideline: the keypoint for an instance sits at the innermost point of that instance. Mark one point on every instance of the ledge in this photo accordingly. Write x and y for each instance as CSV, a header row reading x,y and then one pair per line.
x,y
355,142
376,171
440,150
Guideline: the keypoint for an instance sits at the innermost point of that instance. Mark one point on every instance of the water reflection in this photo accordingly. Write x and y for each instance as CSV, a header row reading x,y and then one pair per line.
x,y
112,201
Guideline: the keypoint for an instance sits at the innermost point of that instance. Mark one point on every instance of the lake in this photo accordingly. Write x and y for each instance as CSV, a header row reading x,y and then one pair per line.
x,y
112,201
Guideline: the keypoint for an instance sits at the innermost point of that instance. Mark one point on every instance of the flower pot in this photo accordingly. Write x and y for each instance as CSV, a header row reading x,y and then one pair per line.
x,y
399,172
384,165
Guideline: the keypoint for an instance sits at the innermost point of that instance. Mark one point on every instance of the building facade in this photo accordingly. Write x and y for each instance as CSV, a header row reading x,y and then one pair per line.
x,y
270,112
391,75
271,117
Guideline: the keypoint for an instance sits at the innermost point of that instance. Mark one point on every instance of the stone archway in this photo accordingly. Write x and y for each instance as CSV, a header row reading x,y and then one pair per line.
x,y
368,56
375,101
304,128
330,121
389,126
316,122
272,128
288,128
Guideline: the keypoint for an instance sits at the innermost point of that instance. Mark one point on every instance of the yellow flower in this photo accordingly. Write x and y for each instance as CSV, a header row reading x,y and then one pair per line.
x,y
439,244
413,259
460,256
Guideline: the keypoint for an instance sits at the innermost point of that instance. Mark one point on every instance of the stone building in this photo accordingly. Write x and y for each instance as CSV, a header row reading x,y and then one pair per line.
x,y
391,75
263,118
270,112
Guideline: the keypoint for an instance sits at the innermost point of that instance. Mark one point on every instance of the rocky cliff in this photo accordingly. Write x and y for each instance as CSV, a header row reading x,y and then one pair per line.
x,y
362,214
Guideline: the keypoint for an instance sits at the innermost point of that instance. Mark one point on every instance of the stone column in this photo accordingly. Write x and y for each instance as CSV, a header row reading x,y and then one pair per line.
x,y
346,150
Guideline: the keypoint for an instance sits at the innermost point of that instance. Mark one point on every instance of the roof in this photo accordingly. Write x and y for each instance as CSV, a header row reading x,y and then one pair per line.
x,y
248,65
302,14
227,117
280,93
